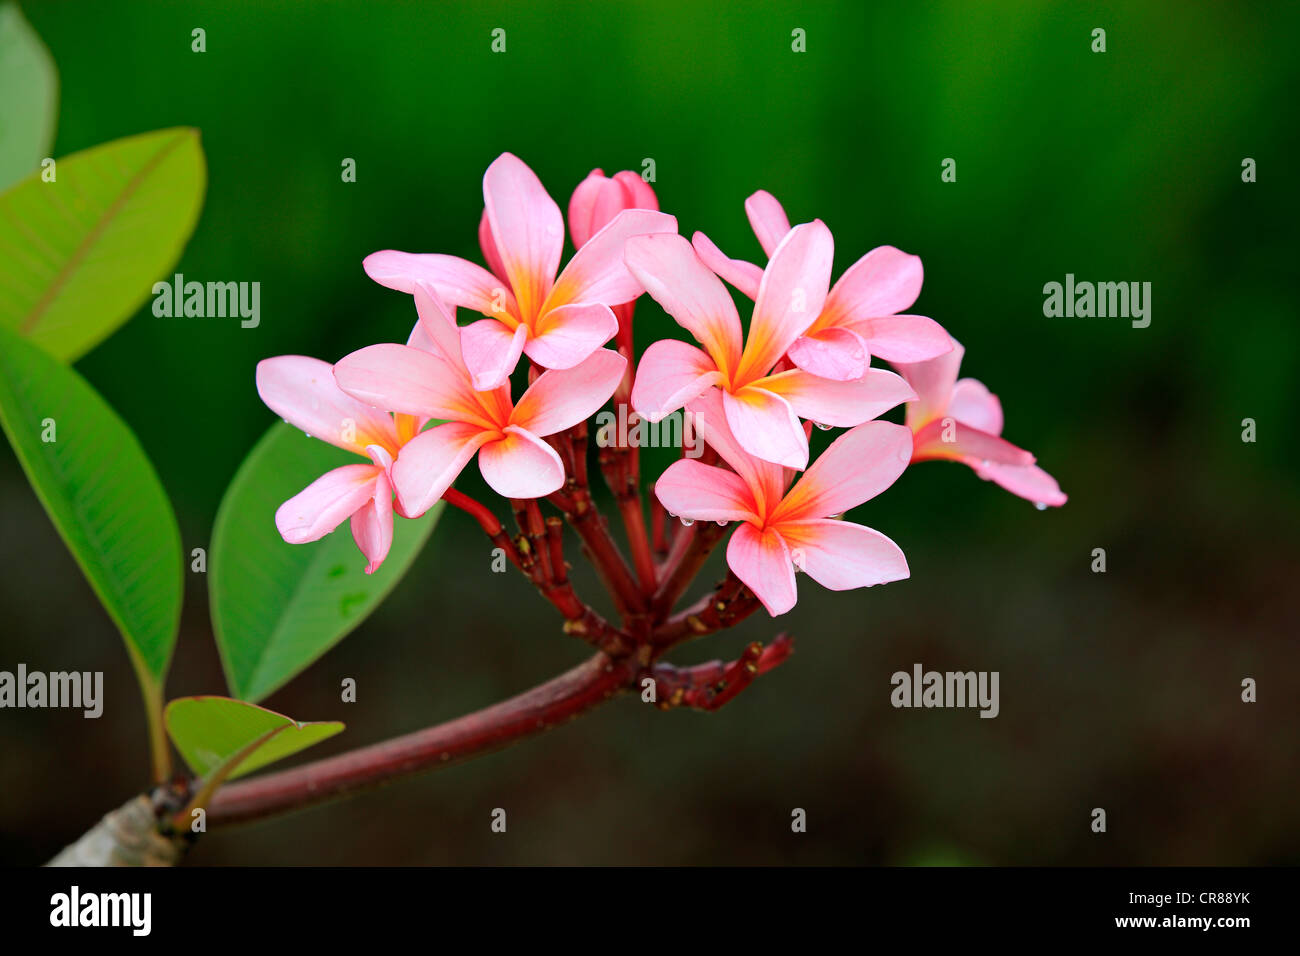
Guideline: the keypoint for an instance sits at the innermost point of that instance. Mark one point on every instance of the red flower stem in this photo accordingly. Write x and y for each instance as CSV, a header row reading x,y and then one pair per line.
x,y
691,548
492,728
489,522
729,604
657,529
711,685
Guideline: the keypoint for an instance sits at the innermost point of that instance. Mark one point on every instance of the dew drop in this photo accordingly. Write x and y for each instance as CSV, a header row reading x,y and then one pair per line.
x,y
824,428
687,522
1040,505
722,524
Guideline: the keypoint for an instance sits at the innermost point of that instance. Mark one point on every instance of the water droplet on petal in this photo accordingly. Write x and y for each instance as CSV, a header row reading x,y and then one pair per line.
x,y
308,434
687,522
722,524
985,463
824,428
1040,505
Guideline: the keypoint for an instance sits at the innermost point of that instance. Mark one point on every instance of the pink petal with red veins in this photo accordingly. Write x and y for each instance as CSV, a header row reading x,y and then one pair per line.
x,y
491,352
561,398
767,219
766,426
841,556
904,338
372,525
745,276
836,354
303,392
1029,482
857,466
693,490
567,335
458,281
761,559
842,404
668,268
884,281
324,504
521,465
431,461
597,273
670,374
528,229
790,298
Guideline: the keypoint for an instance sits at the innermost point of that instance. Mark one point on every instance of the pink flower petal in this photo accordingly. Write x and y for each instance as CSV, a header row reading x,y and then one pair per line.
x,y
439,332
528,229
693,490
403,379
790,297
457,281
595,195
597,273
933,381
947,438
904,338
669,375
521,465
973,404
836,354
560,398
431,461
857,466
767,219
303,392
1029,482
324,504
765,480
488,243
843,404
761,559
372,525
884,281
491,352
745,276
766,426
668,268
840,555
566,336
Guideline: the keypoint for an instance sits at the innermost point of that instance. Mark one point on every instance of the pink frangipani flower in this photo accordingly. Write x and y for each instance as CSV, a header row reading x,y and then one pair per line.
x,y
860,318
507,436
302,391
557,322
782,531
762,407
961,420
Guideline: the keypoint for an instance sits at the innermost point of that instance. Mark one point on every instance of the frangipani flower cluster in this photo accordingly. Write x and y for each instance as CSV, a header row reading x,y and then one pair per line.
x,y
550,346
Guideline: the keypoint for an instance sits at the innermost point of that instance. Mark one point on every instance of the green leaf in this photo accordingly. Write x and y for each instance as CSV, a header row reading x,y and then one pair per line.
x,y
29,97
277,607
222,739
79,255
105,499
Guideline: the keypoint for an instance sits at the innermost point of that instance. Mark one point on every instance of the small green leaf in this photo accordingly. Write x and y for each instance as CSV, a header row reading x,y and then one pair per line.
x,y
29,97
105,499
277,607
79,255
222,739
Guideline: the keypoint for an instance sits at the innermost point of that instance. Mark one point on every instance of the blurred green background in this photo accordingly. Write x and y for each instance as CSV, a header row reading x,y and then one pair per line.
x,y
1118,690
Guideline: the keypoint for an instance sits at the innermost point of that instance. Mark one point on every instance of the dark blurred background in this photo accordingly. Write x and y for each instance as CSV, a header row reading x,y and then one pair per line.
x,y
1118,690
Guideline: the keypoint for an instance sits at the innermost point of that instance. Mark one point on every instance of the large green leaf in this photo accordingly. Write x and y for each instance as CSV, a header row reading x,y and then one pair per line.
x,y
223,739
79,255
104,498
277,607
29,95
